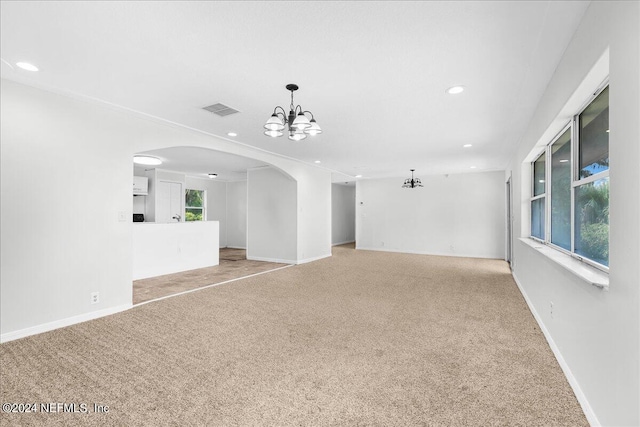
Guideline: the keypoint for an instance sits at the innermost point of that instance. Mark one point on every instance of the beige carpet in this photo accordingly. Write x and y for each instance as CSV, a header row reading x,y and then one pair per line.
x,y
358,339
233,265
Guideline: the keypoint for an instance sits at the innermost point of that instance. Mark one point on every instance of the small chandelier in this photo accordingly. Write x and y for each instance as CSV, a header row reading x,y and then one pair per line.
x,y
413,182
299,125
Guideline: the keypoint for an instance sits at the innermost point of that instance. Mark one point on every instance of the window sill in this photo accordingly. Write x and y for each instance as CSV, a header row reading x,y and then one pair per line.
x,y
589,274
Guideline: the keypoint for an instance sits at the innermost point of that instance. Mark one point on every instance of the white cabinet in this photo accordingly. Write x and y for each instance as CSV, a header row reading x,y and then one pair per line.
x,y
140,185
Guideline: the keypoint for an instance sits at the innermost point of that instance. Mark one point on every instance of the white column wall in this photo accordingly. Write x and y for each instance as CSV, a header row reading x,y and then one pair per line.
x,y
237,214
314,216
271,216
596,333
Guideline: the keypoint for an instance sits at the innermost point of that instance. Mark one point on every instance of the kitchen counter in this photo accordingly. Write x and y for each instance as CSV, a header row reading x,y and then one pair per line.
x,y
160,249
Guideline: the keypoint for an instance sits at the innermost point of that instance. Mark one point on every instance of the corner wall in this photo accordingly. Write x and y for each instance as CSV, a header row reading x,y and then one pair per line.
x,y
595,333
271,216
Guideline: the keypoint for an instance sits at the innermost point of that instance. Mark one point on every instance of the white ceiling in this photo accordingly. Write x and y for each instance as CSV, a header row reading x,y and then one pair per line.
x,y
200,162
374,74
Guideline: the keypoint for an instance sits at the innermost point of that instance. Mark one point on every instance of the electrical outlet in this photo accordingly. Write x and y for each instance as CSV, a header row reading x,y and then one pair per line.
x,y
551,308
95,297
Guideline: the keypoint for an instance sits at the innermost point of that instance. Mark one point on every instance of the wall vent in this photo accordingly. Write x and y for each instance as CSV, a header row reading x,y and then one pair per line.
x,y
221,109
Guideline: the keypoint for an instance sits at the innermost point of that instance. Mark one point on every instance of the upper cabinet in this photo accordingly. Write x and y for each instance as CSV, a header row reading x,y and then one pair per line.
x,y
140,185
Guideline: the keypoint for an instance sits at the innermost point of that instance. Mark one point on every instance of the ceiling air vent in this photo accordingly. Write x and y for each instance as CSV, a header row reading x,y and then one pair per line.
x,y
221,109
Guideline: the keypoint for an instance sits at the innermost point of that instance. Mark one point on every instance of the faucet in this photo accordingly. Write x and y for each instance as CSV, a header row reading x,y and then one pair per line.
x,y
177,217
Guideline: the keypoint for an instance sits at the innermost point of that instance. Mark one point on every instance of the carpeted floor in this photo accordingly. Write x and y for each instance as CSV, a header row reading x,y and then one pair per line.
x,y
233,265
359,339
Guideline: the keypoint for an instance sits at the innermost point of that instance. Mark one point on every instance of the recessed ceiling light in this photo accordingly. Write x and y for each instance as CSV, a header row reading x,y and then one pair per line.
x,y
147,160
472,167
453,90
541,181
317,162
232,134
358,176
213,175
564,161
27,66
467,145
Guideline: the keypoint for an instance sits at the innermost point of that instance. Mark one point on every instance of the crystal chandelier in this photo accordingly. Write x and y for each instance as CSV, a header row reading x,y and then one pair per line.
x,y
413,182
299,125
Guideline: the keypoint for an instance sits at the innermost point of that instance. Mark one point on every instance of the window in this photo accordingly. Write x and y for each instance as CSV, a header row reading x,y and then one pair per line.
x,y
194,205
575,204
537,202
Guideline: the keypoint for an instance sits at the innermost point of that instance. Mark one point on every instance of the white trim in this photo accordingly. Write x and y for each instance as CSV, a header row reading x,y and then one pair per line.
x,y
50,326
210,286
304,261
233,247
404,251
278,260
343,243
573,382
581,269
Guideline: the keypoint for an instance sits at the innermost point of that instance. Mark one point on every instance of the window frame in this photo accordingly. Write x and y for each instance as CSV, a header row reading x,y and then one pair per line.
x,y
203,207
542,195
573,124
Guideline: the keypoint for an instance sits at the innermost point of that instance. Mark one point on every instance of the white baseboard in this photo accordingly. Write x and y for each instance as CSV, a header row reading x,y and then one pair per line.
x,y
343,243
288,261
304,261
403,251
573,382
234,247
278,260
50,326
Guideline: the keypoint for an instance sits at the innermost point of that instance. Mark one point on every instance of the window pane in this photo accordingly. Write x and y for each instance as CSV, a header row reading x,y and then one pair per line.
x,y
537,218
194,198
193,214
594,136
561,191
538,176
592,221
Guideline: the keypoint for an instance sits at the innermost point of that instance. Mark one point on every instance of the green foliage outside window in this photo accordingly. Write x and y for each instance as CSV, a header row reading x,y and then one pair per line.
x,y
592,221
194,205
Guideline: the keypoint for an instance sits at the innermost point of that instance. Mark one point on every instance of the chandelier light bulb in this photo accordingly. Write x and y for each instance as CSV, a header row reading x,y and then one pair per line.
x,y
298,135
314,129
301,122
274,123
273,133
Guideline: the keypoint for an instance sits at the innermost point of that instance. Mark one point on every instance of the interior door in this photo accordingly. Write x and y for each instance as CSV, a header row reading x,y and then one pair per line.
x,y
169,202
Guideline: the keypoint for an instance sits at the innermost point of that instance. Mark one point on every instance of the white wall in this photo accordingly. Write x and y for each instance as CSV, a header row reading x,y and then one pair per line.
x,y
52,262
237,214
75,165
314,215
343,214
216,202
459,215
596,332
271,216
